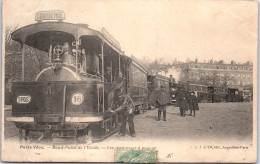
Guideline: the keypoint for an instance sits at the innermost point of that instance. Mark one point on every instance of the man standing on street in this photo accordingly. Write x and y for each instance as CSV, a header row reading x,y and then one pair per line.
x,y
127,111
193,105
183,101
162,100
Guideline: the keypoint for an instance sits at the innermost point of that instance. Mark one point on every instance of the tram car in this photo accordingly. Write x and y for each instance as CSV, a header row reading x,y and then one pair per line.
x,y
234,95
136,84
201,92
68,97
154,85
217,94
247,94
212,94
225,94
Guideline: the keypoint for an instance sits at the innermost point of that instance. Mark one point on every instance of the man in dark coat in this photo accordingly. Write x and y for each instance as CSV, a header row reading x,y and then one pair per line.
x,y
127,114
162,99
193,105
183,98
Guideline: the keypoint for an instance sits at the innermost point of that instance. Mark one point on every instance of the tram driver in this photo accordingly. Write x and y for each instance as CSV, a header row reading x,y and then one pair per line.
x,y
68,56
82,60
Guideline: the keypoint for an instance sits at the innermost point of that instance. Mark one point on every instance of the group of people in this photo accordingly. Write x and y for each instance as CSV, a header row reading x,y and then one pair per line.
x,y
125,105
187,101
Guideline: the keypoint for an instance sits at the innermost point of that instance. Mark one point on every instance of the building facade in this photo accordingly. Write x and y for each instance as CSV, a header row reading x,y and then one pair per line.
x,y
232,74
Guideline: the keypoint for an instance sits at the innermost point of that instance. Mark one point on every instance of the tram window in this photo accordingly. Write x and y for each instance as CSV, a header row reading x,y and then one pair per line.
x,y
68,56
34,65
108,74
91,46
138,79
39,51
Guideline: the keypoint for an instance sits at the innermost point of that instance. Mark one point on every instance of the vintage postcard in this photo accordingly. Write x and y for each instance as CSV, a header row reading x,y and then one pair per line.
x,y
140,81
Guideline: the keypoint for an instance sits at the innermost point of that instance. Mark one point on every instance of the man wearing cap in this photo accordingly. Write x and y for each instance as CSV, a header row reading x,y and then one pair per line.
x,y
162,99
127,111
68,57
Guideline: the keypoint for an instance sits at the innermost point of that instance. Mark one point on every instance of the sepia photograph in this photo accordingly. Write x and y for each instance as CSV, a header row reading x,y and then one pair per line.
x,y
129,81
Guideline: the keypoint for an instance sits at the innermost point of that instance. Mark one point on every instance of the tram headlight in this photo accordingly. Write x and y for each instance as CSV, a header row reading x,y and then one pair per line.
x,y
77,98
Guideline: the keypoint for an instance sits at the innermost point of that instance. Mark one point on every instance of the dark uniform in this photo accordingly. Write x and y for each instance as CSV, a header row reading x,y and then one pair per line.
x,y
162,99
183,98
193,105
127,114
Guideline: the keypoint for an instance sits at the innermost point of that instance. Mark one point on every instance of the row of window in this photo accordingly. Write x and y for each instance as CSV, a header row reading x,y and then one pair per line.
x,y
240,83
228,74
158,83
139,78
198,88
221,67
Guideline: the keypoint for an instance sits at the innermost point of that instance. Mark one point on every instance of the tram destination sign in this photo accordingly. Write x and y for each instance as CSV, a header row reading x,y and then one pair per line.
x,y
50,15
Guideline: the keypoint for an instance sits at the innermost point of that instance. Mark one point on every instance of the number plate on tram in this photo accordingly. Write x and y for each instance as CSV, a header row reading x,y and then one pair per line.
x,y
23,99
77,98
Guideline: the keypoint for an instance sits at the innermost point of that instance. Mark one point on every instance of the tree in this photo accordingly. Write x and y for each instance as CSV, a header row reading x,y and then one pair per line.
x,y
11,46
211,79
214,78
35,60
156,66
227,80
13,56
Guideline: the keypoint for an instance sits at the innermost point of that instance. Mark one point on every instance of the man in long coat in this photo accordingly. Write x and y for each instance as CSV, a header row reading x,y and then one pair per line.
x,y
183,98
193,105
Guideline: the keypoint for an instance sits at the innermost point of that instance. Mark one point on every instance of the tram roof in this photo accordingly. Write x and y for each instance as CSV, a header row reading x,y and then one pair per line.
x,y
135,60
77,30
162,77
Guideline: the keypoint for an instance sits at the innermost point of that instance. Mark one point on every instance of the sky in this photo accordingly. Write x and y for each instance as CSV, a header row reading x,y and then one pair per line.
x,y
166,29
